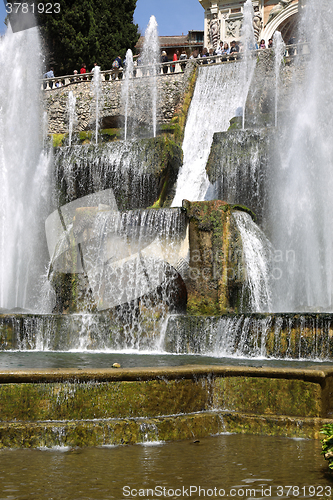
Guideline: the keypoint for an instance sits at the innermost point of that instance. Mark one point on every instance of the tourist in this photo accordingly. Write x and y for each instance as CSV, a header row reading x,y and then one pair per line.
x,y
262,44
270,43
116,66
219,49
183,57
225,51
175,58
234,49
205,54
95,66
83,71
49,74
195,54
75,79
164,59
117,63
211,54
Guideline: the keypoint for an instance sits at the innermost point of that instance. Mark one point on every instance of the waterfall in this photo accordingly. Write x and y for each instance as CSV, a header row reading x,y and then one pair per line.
x,y
97,92
257,253
302,186
240,178
24,170
131,262
277,336
279,51
219,91
71,103
126,166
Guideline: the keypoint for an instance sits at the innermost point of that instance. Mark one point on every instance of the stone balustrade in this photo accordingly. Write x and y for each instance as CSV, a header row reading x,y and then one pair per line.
x,y
163,68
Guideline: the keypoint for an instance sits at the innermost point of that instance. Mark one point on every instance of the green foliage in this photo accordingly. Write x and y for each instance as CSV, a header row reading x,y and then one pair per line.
x,y
88,31
327,443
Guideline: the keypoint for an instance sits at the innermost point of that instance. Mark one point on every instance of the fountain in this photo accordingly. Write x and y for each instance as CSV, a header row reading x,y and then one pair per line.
x,y
125,267
127,91
71,103
24,171
140,95
302,183
151,58
279,51
249,43
97,88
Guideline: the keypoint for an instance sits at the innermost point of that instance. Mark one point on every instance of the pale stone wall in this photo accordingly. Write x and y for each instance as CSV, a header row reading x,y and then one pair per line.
x,y
171,90
226,17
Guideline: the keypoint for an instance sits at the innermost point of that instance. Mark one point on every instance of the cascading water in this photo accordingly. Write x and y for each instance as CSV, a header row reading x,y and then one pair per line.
x,y
219,91
151,60
127,90
71,104
97,93
279,51
126,166
302,188
257,252
23,171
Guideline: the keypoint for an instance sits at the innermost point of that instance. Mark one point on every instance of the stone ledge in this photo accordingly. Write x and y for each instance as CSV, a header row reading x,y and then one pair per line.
x,y
151,373
108,432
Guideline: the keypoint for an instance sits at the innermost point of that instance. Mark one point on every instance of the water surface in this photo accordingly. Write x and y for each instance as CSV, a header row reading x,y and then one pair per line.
x,y
21,360
234,463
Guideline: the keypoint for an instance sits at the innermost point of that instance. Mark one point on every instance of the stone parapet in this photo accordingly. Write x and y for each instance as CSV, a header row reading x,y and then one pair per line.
x,y
171,89
105,407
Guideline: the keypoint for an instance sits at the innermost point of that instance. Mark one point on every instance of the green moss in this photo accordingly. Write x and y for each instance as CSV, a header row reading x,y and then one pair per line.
x,y
179,119
58,139
242,208
235,123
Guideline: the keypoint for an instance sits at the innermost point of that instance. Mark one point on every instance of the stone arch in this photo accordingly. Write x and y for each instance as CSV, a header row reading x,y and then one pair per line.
x,y
285,22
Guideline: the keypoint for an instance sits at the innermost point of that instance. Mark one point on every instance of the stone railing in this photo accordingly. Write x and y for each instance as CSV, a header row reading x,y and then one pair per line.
x,y
167,68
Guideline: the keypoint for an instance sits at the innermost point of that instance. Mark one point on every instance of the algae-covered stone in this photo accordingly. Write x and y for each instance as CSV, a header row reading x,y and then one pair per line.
x,y
139,172
216,274
239,164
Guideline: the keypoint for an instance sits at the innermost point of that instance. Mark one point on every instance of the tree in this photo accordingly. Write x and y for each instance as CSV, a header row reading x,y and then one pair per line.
x,y
88,31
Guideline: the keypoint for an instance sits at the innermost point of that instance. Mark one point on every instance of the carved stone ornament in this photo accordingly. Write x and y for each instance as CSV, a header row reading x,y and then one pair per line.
x,y
257,23
233,28
214,31
277,9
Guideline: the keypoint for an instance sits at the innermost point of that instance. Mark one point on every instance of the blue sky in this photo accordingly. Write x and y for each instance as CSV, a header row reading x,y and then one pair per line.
x,y
174,17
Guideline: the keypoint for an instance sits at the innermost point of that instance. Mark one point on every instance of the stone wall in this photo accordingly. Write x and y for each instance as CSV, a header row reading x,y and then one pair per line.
x,y
171,89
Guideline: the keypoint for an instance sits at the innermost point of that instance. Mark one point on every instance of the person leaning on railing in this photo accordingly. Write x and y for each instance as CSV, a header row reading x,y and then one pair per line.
x,y
183,57
49,74
164,59
234,50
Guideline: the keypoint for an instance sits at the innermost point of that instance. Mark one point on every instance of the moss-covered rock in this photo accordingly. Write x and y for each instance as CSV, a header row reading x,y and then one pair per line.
x,y
216,274
139,172
239,165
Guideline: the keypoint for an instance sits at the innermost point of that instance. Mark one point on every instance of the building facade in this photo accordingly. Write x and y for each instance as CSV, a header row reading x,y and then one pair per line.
x,y
223,20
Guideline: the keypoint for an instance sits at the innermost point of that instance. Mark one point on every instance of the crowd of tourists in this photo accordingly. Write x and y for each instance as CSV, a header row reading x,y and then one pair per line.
x,y
227,52
224,50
